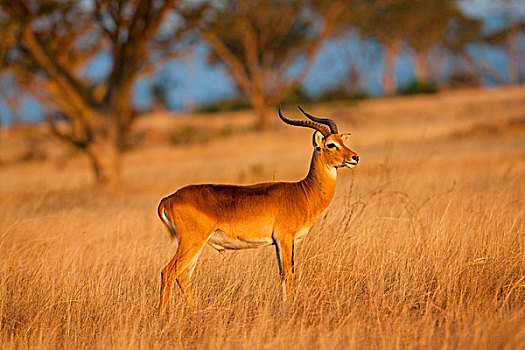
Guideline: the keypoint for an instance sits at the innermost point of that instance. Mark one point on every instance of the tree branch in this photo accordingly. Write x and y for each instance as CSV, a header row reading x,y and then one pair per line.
x,y
63,135
69,86
235,66
131,53
485,69
332,14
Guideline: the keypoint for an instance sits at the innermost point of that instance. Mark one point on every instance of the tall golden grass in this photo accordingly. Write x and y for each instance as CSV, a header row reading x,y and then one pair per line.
x,y
422,247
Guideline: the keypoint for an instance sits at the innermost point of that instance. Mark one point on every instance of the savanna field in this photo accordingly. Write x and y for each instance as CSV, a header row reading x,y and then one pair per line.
x,y
423,245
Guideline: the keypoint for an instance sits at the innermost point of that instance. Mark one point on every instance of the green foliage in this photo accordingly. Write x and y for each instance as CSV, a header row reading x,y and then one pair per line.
x,y
238,103
227,104
430,27
190,134
46,45
419,87
283,27
463,80
420,23
261,41
297,96
341,93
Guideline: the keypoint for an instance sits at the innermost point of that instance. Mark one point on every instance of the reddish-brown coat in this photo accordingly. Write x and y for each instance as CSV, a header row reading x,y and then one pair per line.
x,y
238,217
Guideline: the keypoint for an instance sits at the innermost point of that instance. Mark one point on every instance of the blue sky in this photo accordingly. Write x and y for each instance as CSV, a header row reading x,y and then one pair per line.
x,y
194,82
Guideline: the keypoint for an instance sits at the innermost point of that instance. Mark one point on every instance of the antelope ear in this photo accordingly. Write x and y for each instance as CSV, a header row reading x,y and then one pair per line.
x,y
317,140
345,137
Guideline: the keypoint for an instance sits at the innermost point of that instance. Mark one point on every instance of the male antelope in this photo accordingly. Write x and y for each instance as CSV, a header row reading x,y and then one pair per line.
x,y
239,217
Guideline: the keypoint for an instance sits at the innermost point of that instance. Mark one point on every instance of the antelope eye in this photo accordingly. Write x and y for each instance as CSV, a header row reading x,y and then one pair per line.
x,y
331,145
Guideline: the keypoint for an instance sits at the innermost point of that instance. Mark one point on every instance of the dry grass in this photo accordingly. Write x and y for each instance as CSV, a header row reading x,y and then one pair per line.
x,y
423,246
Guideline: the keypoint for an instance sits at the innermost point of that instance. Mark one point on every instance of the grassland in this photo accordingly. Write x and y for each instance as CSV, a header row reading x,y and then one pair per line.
x,y
423,245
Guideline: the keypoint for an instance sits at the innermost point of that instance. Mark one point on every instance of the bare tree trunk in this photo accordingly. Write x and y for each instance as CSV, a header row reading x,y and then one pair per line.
x,y
263,111
264,117
389,76
513,57
512,41
104,155
421,67
435,65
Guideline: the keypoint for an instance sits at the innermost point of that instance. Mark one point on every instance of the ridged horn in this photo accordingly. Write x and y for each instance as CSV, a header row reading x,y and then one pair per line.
x,y
305,123
325,121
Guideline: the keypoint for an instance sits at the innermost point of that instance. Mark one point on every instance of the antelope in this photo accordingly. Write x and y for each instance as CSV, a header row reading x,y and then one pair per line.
x,y
240,217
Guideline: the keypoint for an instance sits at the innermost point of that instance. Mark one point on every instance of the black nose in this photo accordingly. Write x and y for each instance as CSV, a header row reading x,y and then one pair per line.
x,y
356,158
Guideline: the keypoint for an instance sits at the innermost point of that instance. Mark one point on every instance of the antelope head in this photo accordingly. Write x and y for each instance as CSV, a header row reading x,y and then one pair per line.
x,y
277,213
329,145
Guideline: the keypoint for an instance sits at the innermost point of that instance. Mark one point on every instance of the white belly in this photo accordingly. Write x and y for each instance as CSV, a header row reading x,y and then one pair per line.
x,y
220,241
300,235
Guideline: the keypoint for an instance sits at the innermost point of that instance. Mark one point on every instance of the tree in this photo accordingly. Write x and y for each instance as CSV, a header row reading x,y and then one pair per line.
x,y
510,40
359,56
426,29
463,34
161,87
424,25
261,41
382,21
11,101
47,44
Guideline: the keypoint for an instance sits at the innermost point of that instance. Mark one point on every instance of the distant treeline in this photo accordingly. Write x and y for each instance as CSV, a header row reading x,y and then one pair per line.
x,y
267,47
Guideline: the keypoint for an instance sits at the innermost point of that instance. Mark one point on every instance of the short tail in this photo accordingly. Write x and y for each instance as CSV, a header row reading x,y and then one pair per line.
x,y
163,214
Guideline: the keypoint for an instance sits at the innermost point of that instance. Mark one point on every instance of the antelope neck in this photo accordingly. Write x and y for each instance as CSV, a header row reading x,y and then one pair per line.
x,y
319,184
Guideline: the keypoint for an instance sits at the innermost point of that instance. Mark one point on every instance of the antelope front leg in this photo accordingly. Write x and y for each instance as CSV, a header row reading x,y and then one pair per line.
x,y
285,259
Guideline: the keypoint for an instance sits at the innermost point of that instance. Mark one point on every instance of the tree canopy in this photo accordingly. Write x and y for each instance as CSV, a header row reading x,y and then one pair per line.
x,y
47,45
269,46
